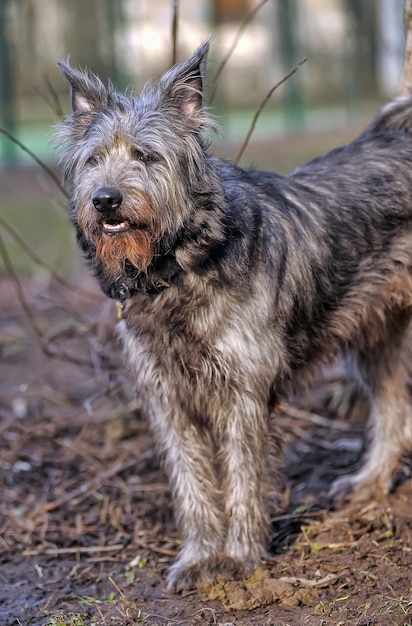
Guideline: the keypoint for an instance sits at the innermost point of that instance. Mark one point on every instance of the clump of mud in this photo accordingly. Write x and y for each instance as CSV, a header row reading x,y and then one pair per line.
x,y
256,591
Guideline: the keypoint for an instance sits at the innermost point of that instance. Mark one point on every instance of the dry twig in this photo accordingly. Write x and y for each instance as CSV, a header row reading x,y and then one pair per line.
x,y
260,109
26,248
232,48
75,550
55,105
314,418
175,24
35,158
85,489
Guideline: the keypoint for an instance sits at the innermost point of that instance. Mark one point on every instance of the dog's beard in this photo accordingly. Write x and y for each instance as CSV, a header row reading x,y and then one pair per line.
x,y
135,247
132,246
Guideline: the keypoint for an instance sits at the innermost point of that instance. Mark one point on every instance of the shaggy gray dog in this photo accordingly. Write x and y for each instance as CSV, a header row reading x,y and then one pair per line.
x,y
234,285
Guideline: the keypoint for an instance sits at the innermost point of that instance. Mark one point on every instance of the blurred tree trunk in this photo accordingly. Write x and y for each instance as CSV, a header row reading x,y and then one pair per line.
x,y
90,34
406,87
363,16
7,103
289,48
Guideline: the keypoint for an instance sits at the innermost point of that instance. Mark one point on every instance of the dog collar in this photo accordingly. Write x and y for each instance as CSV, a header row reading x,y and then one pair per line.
x,y
119,309
152,288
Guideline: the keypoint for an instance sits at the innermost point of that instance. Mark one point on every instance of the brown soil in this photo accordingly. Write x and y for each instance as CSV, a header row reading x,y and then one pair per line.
x,y
87,530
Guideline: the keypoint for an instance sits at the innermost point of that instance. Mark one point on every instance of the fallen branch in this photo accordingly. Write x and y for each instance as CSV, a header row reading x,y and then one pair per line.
x,y
322,582
86,549
314,418
85,489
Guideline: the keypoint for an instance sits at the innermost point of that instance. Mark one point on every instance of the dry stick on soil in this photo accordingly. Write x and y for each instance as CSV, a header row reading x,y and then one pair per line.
x,y
314,418
175,24
229,53
131,609
260,109
85,489
322,582
37,160
313,515
116,547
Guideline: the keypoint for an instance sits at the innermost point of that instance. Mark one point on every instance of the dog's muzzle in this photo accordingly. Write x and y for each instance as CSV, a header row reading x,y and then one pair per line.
x,y
107,200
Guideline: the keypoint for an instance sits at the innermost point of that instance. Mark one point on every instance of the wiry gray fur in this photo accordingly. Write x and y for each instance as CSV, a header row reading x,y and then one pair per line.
x,y
236,284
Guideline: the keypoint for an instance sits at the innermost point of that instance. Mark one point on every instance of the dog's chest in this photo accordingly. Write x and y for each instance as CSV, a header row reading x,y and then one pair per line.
x,y
212,340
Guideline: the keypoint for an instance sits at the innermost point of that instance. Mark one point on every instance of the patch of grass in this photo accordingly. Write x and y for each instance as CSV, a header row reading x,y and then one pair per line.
x,y
71,619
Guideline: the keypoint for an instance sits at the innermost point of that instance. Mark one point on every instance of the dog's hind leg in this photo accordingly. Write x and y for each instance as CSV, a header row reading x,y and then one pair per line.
x,y
382,374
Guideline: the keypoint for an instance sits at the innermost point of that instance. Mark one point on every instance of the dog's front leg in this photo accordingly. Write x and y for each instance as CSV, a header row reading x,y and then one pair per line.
x,y
189,462
189,459
245,441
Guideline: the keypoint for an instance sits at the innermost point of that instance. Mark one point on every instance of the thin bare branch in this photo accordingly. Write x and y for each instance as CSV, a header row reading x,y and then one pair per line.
x,y
54,101
85,489
313,418
20,292
260,109
42,342
48,171
175,24
232,48
36,259
78,549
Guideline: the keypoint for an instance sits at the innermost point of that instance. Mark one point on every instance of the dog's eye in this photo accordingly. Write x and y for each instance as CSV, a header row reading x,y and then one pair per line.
x,y
141,155
92,160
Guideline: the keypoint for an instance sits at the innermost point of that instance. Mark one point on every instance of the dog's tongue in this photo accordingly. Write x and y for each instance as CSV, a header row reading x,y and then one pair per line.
x,y
115,227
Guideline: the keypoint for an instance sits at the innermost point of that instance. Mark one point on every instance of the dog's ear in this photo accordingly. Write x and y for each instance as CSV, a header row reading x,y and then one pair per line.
x,y
184,83
87,90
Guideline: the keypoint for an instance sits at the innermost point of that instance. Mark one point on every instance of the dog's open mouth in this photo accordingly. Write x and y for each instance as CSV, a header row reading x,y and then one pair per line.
x,y
115,227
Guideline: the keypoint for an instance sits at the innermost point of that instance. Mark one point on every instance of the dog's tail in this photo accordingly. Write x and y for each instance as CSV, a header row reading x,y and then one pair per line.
x,y
396,115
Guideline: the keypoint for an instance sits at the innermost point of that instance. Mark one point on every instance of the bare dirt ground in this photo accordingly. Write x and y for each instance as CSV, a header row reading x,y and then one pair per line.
x,y
87,531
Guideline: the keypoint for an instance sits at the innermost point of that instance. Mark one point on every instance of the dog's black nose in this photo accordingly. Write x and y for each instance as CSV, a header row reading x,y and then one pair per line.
x,y
107,199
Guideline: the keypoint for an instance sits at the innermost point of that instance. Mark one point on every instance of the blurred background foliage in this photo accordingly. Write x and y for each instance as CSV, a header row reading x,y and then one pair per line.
x,y
355,52
355,57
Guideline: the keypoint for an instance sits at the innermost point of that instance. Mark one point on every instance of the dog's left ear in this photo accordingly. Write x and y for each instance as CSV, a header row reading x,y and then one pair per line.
x,y
184,83
87,90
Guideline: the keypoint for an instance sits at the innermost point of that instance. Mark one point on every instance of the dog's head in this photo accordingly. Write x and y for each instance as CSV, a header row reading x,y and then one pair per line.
x,y
134,164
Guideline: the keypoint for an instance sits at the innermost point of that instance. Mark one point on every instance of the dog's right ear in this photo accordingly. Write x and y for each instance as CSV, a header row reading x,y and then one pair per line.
x,y
184,84
87,90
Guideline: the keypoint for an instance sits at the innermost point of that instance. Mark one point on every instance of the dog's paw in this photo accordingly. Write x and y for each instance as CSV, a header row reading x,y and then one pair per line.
x,y
188,576
341,489
359,487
